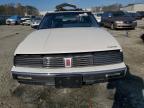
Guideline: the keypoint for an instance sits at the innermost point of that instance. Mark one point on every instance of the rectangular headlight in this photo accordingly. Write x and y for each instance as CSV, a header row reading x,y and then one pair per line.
x,y
119,22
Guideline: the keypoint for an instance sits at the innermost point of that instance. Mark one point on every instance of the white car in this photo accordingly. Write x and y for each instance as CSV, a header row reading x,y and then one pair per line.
x,y
35,22
26,22
68,50
23,19
98,17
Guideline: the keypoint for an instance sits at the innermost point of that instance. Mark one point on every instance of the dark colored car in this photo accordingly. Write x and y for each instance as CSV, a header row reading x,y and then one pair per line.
x,y
118,20
3,19
135,15
35,22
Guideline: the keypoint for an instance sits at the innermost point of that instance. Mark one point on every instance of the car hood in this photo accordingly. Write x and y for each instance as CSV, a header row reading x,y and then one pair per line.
x,y
36,21
67,40
123,19
10,19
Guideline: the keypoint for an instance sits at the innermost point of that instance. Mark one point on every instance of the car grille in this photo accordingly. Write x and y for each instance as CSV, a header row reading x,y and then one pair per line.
x,y
77,59
127,22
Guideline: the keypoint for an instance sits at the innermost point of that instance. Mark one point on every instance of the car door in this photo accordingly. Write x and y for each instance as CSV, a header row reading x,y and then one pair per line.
x,y
104,19
18,19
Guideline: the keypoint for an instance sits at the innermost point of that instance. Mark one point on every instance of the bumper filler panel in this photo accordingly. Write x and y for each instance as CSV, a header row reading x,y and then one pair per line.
x,y
71,80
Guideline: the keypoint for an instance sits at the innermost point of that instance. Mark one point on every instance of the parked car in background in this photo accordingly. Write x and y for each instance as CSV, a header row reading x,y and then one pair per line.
x,y
118,20
26,22
23,19
13,20
135,15
35,22
98,17
141,13
68,50
2,20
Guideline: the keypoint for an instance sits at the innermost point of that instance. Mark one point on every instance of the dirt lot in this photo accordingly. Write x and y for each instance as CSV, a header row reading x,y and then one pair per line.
x,y
127,93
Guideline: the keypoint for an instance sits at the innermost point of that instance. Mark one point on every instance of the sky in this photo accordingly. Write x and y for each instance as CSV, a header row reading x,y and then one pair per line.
x,y
45,5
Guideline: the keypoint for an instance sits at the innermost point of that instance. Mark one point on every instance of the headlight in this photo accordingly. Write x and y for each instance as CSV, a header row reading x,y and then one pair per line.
x,y
120,22
13,21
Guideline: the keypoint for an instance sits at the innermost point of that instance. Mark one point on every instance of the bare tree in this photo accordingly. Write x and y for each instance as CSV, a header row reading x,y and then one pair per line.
x,y
113,7
18,9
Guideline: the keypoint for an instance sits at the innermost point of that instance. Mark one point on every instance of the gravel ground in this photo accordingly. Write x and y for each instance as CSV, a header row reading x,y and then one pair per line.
x,y
127,93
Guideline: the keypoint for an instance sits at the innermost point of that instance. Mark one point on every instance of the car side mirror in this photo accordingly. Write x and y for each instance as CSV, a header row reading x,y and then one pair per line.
x,y
35,27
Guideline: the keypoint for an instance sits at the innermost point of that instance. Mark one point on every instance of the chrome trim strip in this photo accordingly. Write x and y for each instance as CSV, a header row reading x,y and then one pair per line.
x,y
82,73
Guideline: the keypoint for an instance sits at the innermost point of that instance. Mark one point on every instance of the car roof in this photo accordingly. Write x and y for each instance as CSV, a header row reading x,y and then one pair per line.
x,y
14,16
83,11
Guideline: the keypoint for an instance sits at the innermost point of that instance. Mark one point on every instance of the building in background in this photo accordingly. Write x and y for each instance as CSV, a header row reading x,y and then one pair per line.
x,y
88,9
134,7
42,13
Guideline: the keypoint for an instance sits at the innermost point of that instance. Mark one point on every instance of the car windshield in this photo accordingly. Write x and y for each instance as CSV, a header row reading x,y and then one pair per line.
x,y
99,14
37,19
119,14
68,19
26,17
13,17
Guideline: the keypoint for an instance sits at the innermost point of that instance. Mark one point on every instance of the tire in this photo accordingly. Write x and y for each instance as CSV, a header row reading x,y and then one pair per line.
x,y
102,24
16,23
112,26
133,28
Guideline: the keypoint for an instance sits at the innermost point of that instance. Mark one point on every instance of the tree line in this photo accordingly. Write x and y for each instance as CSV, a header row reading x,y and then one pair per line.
x,y
18,9
113,7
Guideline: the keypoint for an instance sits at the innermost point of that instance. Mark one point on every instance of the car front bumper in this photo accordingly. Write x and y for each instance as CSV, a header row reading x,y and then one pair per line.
x,y
124,25
34,25
10,22
72,79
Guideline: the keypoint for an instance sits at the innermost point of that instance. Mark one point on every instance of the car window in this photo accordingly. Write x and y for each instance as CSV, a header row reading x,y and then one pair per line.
x,y
105,15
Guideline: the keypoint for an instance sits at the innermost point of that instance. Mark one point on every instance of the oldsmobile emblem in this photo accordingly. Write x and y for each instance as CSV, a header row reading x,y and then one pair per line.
x,y
68,62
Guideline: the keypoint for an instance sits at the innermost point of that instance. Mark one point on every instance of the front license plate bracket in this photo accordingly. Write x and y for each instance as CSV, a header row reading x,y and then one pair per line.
x,y
70,81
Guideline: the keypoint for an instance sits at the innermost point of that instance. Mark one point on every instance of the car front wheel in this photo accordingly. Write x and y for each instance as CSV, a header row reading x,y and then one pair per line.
x,y
112,26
